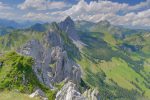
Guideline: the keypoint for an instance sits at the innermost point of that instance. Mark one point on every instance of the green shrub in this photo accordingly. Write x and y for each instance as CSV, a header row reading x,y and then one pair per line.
x,y
16,73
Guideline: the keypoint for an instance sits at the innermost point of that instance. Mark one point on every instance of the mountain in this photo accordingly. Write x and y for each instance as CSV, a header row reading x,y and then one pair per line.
x,y
16,25
8,23
83,25
5,30
76,60
68,26
38,27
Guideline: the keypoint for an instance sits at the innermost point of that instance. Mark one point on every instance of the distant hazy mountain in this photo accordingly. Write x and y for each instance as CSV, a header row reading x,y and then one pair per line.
x,y
8,23
14,24
5,30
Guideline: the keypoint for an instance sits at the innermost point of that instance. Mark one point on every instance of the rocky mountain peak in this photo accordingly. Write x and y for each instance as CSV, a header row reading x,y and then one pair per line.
x,y
68,26
51,61
69,20
67,23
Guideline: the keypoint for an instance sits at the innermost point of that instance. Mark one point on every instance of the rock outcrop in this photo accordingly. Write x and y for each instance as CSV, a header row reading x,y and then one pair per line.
x,y
68,26
53,65
38,93
0,64
51,60
92,94
69,92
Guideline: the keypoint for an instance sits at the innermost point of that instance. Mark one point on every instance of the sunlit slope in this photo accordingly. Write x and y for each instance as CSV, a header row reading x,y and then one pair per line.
x,y
119,74
9,95
116,78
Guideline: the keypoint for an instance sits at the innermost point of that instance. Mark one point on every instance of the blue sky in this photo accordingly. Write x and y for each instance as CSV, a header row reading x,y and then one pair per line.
x,y
12,1
130,13
131,2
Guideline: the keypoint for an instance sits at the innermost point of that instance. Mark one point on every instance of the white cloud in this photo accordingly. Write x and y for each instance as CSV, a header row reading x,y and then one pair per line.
x,y
57,5
96,8
145,5
140,19
36,16
4,6
7,15
5,11
41,5
46,17
116,13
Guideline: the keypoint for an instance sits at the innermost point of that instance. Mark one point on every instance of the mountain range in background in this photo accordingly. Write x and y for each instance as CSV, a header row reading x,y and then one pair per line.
x,y
11,24
14,24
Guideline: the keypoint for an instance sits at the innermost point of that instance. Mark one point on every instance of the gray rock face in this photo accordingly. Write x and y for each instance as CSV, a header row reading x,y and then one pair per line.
x,y
51,61
92,94
38,93
0,64
53,39
68,26
69,92
35,49
63,66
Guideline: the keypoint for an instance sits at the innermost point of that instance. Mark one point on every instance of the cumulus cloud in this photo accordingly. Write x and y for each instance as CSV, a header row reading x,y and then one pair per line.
x,y
4,6
141,6
41,5
137,16
46,17
36,16
116,13
140,19
5,11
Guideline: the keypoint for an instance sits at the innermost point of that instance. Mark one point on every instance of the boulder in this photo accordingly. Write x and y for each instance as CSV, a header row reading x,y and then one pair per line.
x,y
69,92
38,93
92,94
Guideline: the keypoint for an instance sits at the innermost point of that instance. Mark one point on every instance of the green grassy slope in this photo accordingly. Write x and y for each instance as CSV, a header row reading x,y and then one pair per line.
x,y
8,95
119,75
16,39
142,40
16,74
